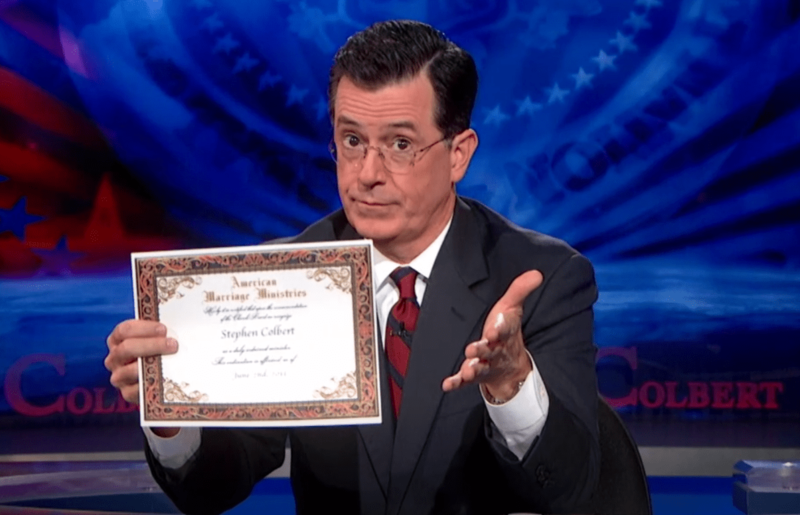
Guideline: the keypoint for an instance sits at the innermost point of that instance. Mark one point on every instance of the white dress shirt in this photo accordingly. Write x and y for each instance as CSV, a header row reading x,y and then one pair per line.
x,y
518,421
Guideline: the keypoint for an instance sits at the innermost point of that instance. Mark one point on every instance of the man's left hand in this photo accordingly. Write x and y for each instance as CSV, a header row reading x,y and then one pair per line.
x,y
499,360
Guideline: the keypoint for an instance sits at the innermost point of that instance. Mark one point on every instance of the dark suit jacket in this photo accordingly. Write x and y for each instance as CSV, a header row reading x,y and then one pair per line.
x,y
441,457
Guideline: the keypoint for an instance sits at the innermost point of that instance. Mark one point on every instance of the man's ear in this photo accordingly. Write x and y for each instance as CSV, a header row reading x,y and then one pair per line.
x,y
461,151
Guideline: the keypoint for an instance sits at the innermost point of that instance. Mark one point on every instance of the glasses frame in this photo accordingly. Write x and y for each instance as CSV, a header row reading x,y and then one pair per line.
x,y
417,154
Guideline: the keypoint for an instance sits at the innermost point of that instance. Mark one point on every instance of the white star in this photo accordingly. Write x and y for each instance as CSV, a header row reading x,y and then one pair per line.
x,y
268,80
648,4
201,4
212,23
495,117
296,95
582,79
525,106
637,21
322,108
245,63
624,43
556,94
605,61
226,44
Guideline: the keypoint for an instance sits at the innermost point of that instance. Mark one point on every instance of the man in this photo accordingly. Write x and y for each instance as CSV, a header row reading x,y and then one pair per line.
x,y
489,380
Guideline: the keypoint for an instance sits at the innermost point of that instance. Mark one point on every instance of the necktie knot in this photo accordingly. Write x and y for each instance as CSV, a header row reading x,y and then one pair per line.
x,y
406,279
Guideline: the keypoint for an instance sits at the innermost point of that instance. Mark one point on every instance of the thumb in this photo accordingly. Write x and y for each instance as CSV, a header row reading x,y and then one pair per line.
x,y
504,318
519,290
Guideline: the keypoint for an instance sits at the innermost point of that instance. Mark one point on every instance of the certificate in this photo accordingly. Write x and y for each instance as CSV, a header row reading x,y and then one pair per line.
x,y
268,336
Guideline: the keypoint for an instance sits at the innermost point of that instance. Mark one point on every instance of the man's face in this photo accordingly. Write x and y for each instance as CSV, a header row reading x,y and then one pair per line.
x,y
402,212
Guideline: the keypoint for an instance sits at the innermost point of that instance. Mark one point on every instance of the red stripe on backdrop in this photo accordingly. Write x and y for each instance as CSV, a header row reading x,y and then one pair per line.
x,y
21,19
29,167
53,39
44,110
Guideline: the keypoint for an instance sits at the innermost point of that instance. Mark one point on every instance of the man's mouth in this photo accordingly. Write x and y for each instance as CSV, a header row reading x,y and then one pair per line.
x,y
372,203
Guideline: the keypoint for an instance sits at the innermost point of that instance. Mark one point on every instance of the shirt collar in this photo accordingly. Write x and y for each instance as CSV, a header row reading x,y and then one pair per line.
x,y
423,264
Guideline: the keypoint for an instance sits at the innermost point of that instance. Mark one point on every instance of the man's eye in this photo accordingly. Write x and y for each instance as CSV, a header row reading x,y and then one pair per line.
x,y
351,141
402,145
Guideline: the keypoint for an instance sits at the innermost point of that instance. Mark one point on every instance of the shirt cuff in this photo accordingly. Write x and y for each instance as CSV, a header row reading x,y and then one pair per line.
x,y
175,451
520,420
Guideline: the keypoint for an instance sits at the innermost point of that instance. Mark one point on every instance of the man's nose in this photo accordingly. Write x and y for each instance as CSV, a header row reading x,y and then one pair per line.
x,y
372,167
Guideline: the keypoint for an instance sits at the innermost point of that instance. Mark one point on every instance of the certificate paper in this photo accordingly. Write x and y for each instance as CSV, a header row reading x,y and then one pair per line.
x,y
270,335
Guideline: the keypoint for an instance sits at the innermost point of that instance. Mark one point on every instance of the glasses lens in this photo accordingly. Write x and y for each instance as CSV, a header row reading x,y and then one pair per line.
x,y
398,162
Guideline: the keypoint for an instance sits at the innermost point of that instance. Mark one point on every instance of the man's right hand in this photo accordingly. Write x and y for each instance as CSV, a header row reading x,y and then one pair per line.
x,y
129,341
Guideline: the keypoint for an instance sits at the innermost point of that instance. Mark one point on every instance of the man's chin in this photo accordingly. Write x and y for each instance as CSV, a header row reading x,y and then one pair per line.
x,y
372,229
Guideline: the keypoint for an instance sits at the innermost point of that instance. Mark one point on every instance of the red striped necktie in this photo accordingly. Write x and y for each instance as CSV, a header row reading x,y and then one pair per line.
x,y
400,326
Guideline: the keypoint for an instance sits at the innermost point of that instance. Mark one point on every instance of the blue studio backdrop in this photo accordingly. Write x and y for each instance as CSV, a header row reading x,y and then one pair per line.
x,y
659,137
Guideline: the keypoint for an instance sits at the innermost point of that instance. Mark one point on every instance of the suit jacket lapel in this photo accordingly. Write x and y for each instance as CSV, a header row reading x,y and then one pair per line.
x,y
450,310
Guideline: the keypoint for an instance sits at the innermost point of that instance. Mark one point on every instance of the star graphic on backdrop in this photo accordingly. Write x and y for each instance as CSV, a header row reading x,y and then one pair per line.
x,y
649,4
525,106
582,79
310,23
556,94
201,4
321,107
225,44
295,96
623,43
604,61
58,260
268,80
16,218
212,23
637,21
245,63
495,117
105,236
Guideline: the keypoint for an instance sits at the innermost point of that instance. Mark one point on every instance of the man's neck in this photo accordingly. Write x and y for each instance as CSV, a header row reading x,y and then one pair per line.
x,y
403,252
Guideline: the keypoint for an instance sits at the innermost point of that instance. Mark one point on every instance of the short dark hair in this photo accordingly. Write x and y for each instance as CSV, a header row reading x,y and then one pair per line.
x,y
393,51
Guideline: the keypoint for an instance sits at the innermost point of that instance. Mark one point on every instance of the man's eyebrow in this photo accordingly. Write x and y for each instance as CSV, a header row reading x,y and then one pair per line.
x,y
403,125
343,120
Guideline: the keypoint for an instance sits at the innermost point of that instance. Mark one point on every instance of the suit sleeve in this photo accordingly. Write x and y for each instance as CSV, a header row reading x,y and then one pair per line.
x,y
563,463
223,471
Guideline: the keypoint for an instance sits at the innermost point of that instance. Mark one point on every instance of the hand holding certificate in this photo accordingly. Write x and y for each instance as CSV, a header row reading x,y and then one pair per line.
x,y
269,336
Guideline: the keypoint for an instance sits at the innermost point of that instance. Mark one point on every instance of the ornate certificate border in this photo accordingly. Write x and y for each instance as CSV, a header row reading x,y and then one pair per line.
x,y
173,271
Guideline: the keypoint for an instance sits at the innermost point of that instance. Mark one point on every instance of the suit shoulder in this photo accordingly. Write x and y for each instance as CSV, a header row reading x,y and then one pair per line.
x,y
505,238
324,229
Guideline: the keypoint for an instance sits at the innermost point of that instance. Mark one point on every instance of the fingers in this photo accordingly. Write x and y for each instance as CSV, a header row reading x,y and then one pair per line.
x,y
130,350
135,329
471,370
502,329
480,350
126,380
130,393
125,375
130,340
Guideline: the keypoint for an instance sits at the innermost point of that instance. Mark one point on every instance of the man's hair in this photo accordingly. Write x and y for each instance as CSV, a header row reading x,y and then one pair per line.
x,y
394,51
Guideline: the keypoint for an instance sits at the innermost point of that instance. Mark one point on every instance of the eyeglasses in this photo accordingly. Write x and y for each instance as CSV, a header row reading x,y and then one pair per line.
x,y
397,159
